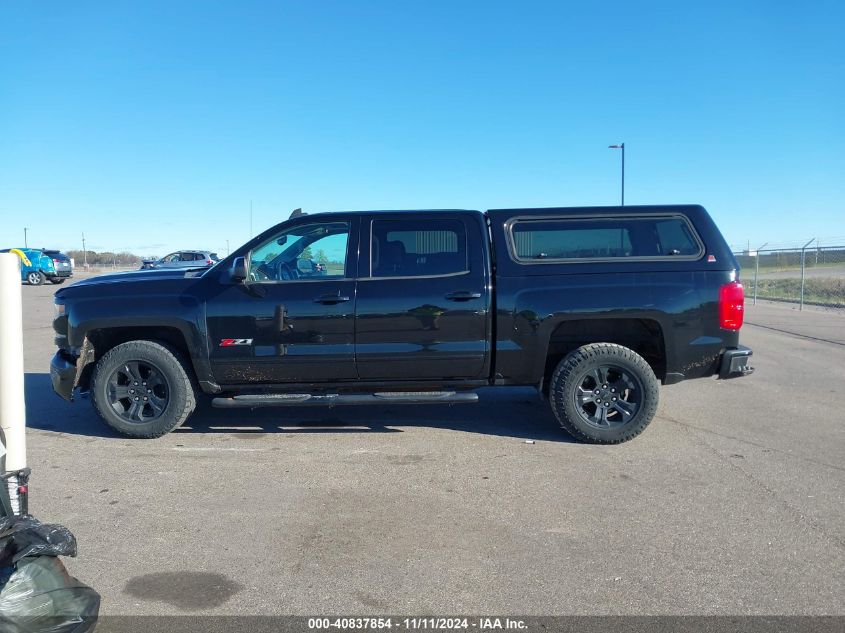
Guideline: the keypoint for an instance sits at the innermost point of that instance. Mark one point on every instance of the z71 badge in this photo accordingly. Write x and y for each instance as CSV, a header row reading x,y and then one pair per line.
x,y
229,342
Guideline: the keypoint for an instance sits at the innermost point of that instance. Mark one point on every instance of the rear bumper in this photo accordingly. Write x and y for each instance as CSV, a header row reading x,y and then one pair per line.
x,y
63,375
64,274
734,362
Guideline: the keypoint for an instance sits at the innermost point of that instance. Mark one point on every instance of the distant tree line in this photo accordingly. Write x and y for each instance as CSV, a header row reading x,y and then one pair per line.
x,y
105,258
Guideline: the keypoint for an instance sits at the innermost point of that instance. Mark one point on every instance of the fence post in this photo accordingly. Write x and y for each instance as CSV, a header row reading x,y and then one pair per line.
x,y
803,252
757,268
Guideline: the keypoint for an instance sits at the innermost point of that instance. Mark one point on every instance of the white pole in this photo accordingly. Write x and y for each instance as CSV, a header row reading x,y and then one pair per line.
x,y
12,409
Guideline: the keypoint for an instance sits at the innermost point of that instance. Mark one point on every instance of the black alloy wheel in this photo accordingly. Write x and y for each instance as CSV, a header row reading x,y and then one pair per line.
x,y
608,396
138,391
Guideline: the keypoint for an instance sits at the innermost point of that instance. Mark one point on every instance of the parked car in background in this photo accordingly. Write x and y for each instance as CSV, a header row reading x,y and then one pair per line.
x,y
62,264
183,259
39,265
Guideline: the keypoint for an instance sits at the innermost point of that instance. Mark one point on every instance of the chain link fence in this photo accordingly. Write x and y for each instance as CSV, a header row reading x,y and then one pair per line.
x,y
812,275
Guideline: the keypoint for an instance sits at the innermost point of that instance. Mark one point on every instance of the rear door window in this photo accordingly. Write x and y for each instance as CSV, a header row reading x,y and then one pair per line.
x,y
418,248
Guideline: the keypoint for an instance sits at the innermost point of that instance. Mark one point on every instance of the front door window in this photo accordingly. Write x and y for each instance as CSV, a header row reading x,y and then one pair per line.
x,y
304,252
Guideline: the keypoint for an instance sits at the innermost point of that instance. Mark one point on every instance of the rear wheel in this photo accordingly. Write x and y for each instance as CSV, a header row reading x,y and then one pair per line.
x,y
35,278
141,389
604,393
57,280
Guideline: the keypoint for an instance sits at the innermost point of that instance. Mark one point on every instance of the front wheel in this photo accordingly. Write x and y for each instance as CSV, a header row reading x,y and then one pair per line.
x,y
141,389
604,393
36,278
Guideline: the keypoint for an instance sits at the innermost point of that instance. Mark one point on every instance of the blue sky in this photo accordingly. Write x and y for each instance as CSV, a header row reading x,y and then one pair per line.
x,y
151,125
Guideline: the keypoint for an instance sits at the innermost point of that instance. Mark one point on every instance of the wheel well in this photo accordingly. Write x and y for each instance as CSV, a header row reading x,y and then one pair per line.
x,y
106,339
644,336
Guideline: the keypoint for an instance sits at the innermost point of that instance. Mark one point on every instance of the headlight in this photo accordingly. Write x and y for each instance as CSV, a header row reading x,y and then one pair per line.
x,y
58,310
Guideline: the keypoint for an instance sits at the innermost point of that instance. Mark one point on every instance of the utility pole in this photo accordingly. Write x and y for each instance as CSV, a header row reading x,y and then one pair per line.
x,y
25,245
622,147
227,248
84,252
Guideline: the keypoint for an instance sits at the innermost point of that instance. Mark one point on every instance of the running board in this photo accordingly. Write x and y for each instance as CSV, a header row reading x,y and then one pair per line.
x,y
337,399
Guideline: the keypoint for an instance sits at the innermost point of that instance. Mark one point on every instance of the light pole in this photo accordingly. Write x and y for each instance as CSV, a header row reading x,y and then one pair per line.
x,y
622,147
25,245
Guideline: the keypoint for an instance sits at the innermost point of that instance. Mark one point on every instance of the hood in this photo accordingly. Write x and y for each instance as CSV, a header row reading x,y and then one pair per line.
x,y
136,277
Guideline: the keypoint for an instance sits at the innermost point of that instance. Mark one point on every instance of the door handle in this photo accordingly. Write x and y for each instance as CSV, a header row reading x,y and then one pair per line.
x,y
463,295
331,299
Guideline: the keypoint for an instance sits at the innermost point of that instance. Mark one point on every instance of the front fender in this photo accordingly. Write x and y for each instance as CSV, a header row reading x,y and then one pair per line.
x,y
183,312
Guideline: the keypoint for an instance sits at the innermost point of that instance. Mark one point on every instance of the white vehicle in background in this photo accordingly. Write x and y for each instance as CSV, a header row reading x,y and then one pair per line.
x,y
183,259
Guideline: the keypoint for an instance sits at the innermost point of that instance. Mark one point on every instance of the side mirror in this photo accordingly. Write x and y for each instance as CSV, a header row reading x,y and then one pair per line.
x,y
237,273
305,266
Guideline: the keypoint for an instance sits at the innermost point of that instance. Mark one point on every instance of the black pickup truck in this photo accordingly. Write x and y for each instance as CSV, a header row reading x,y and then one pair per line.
x,y
592,306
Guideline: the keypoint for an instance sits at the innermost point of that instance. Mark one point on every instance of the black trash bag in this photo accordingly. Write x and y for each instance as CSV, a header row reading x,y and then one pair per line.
x,y
37,595
22,536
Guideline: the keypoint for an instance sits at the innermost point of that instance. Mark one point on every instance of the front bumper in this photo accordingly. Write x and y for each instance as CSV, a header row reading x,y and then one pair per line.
x,y
63,375
734,362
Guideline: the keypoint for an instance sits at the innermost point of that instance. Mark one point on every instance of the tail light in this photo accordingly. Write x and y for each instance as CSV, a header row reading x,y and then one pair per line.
x,y
208,262
731,306
56,261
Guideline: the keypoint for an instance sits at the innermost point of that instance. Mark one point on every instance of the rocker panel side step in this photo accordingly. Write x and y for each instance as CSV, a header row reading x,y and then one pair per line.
x,y
337,399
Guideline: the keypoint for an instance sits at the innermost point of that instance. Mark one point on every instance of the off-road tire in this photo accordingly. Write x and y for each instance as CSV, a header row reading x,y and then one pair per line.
x,y
181,395
575,367
36,278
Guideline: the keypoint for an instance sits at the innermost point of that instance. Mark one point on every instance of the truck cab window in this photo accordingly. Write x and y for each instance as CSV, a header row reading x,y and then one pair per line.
x,y
306,251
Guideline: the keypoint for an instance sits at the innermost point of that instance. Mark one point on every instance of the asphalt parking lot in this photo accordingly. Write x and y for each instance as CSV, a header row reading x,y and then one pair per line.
x,y
731,502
